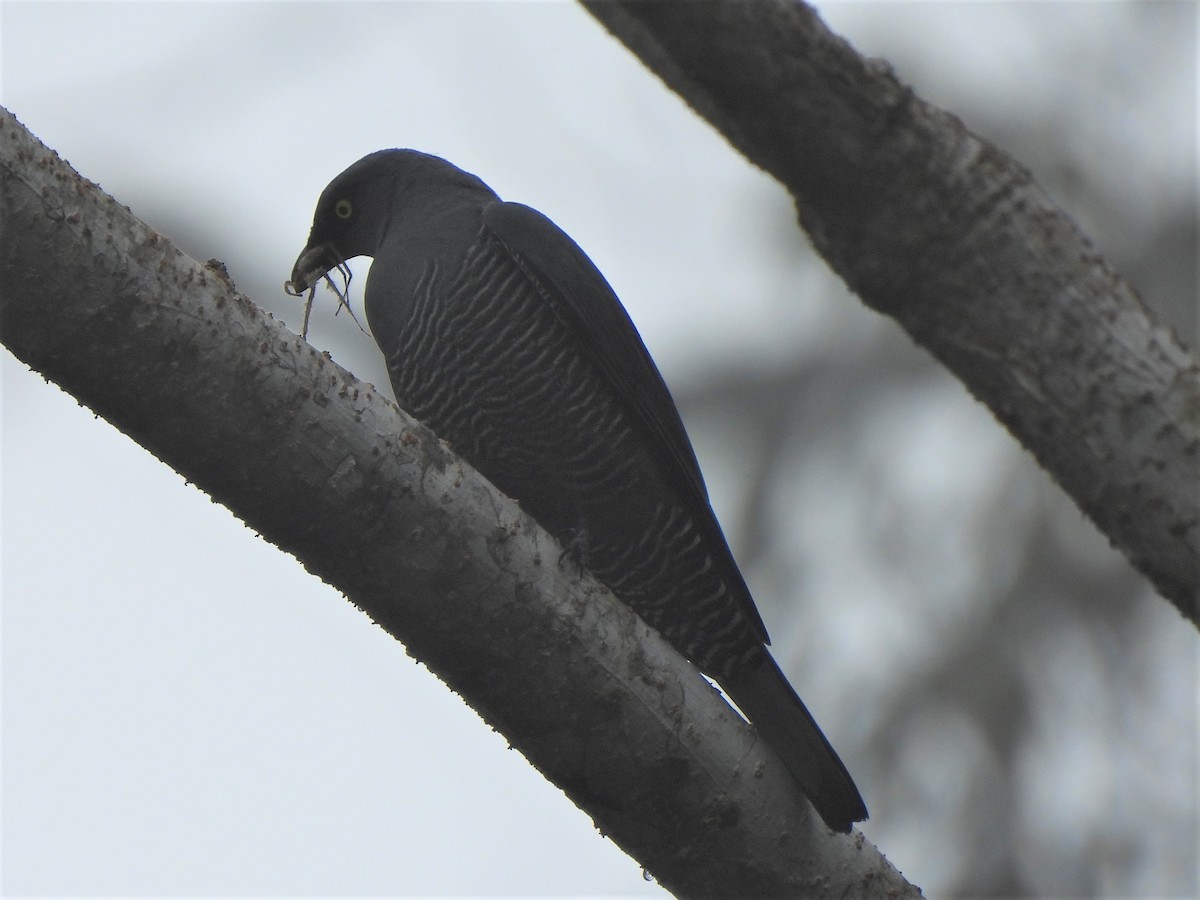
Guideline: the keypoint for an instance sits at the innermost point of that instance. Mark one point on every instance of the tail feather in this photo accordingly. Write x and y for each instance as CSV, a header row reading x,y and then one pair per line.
x,y
779,715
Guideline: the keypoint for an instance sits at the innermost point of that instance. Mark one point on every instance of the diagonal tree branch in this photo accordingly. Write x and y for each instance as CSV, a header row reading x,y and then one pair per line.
x,y
931,225
371,502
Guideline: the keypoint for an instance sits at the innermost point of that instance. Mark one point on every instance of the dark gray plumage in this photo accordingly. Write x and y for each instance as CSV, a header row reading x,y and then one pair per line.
x,y
503,338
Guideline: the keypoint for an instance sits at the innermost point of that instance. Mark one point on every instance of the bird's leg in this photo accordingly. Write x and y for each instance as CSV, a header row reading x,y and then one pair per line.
x,y
574,548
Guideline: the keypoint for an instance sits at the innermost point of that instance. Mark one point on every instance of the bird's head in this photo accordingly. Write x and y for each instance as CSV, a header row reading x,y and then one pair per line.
x,y
358,207
351,219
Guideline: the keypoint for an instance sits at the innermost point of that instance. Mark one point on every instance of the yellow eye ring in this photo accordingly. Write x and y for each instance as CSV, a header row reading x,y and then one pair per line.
x,y
343,208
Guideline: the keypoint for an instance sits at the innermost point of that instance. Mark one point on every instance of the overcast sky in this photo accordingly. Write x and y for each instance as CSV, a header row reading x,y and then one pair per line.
x,y
185,709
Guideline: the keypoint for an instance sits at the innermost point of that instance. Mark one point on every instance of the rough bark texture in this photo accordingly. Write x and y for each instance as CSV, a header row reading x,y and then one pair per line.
x,y
321,465
935,227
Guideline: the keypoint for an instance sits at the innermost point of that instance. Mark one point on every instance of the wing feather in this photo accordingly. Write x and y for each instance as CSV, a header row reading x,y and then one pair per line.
x,y
577,291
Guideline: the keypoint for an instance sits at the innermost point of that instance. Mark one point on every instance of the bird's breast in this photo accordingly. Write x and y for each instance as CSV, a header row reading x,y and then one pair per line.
x,y
481,356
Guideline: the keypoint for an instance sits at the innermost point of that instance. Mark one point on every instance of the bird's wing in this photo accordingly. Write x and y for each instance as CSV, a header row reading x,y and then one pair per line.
x,y
581,296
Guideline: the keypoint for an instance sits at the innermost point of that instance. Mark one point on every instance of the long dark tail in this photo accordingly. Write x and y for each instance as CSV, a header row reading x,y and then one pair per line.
x,y
779,715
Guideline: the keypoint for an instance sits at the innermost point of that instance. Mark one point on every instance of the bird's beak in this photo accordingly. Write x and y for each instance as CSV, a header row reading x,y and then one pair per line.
x,y
312,265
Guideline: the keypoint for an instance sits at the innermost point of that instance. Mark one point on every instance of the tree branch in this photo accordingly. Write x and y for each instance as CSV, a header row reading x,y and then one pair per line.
x,y
931,225
368,500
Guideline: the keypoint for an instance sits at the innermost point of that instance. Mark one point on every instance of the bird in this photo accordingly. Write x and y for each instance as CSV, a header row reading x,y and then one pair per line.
x,y
502,337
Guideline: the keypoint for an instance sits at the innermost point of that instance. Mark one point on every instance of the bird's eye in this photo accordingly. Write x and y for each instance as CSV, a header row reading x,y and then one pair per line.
x,y
343,209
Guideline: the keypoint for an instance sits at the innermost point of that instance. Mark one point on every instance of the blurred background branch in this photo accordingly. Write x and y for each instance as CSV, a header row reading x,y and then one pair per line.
x,y
940,229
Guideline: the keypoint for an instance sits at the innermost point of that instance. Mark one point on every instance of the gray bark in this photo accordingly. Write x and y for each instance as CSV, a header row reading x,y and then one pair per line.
x,y
367,499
